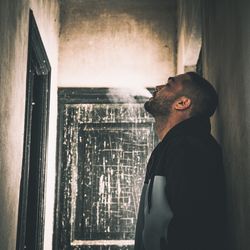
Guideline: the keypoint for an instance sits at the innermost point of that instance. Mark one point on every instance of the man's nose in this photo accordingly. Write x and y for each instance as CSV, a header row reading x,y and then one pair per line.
x,y
159,87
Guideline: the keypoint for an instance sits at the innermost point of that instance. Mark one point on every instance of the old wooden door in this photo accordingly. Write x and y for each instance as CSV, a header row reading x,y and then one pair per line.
x,y
103,147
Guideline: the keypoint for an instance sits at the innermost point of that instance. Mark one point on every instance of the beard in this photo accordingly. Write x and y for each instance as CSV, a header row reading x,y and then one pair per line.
x,y
159,107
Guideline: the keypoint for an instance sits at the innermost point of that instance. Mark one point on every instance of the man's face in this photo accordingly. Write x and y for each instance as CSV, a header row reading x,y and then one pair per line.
x,y
164,96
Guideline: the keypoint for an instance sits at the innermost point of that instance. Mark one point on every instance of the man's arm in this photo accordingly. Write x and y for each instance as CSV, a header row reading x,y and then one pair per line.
x,y
157,216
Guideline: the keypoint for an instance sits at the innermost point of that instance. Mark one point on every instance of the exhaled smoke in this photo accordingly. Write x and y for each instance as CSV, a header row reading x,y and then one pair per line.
x,y
129,95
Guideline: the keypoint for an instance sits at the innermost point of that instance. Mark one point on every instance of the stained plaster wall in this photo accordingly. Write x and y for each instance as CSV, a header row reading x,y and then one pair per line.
x,y
14,17
225,29
117,43
226,62
188,35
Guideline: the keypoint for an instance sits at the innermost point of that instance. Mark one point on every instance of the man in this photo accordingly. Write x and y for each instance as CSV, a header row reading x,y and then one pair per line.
x,y
182,204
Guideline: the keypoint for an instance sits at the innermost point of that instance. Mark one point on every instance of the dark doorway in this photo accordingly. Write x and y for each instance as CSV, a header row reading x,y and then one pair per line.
x,y
31,202
103,146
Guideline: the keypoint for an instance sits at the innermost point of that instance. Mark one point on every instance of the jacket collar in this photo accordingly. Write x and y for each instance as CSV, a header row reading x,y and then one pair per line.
x,y
196,125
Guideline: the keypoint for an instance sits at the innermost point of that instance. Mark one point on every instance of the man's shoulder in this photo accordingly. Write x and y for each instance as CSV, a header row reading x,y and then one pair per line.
x,y
191,149
191,142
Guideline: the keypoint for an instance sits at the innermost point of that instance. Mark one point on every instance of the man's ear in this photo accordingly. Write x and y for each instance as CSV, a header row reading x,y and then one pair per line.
x,y
182,103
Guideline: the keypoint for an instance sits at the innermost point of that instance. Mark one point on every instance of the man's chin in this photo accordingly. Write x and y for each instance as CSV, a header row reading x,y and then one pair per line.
x,y
148,107
156,110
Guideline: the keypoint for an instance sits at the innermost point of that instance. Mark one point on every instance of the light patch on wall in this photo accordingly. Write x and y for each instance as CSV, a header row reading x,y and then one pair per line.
x,y
115,62
115,50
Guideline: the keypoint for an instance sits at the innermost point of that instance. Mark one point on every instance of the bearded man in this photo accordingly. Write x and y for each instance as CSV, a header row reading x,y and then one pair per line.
x,y
182,204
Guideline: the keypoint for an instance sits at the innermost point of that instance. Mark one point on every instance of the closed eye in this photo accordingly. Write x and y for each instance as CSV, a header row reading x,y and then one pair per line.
x,y
170,80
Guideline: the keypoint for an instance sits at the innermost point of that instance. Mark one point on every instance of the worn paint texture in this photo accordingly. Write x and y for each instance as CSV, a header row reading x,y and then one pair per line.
x,y
226,58
105,151
117,43
14,17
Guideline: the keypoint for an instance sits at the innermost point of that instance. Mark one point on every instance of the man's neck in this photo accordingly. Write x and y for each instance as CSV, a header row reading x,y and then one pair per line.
x,y
164,124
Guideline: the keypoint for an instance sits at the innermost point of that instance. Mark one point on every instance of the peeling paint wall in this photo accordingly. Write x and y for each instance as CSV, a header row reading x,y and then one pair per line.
x,y
14,17
117,43
225,27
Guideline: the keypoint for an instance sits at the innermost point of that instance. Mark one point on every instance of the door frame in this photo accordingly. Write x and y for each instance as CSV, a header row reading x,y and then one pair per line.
x,y
39,65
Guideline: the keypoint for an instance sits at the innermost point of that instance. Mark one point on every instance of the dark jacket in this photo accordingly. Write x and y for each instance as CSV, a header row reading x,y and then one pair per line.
x,y
183,199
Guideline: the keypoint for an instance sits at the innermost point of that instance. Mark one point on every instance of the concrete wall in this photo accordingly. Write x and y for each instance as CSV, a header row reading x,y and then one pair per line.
x,y
225,27
226,45
117,43
13,64
188,35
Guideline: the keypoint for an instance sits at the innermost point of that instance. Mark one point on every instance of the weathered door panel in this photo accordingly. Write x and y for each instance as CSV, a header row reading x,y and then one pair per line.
x,y
104,151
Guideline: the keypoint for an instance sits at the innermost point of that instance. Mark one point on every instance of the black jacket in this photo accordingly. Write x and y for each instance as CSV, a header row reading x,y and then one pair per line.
x,y
182,205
